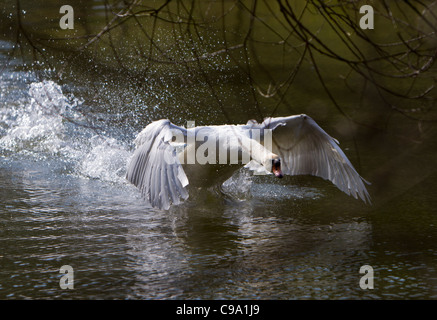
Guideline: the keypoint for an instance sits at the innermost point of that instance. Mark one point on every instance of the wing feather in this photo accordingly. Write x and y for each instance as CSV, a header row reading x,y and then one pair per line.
x,y
305,148
155,168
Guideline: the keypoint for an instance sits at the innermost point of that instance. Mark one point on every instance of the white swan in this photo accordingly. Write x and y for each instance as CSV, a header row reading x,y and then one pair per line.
x,y
293,145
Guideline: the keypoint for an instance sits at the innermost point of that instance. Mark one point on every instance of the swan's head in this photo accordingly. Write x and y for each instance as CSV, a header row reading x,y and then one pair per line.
x,y
276,167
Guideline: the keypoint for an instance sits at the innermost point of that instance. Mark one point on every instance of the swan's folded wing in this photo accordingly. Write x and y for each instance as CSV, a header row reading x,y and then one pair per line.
x,y
305,148
155,168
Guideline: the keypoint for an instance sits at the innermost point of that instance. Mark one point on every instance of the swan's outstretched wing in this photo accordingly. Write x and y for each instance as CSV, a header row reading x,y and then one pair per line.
x,y
155,168
305,148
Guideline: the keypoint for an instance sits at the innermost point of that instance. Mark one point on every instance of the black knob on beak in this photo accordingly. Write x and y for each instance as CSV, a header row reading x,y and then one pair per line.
x,y
276,168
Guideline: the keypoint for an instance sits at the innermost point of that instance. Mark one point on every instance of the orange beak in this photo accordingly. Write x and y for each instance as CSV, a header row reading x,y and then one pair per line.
x,y
276,168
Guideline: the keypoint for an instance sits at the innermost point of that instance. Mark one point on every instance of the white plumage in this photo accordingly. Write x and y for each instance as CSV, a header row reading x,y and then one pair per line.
x,y
298,146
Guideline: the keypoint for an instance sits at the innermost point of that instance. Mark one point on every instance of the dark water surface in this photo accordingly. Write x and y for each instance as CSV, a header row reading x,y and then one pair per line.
x,y
64,200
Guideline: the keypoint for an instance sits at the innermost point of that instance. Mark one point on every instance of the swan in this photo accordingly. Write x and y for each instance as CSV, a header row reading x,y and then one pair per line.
x,y
295,145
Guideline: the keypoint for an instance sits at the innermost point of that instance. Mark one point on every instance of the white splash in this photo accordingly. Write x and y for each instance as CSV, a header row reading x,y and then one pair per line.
x,y
238,186
46,125
106,160
37,125
243,185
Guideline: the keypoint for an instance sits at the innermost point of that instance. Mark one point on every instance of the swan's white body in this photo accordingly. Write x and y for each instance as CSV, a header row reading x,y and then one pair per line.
x,y
297,146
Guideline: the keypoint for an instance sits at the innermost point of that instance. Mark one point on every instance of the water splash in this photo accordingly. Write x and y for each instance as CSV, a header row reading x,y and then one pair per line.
x,y
243,186
106,160
274,192
37,125
238,186
47,125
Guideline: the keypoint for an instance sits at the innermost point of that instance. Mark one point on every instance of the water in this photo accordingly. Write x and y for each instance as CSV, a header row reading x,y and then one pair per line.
x,y
64,201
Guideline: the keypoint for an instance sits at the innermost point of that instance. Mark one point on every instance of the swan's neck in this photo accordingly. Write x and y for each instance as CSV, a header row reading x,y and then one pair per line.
x,y
258,152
